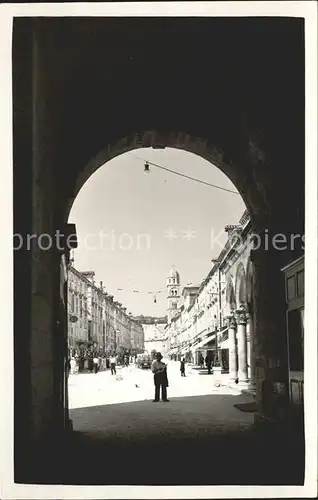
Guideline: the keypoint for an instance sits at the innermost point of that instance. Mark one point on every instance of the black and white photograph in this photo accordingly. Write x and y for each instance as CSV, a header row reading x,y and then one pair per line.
x,y
160,327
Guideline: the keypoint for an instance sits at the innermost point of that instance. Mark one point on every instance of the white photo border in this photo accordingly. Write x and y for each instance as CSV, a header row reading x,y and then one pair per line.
x,y
304,9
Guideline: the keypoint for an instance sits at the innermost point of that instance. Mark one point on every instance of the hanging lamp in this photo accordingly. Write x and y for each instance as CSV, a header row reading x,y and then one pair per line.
x,y
146,169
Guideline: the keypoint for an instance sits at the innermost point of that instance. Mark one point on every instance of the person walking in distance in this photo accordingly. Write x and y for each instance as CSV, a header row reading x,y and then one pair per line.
x,y
201,360
96,363
159,369
208,362
113,364
182,367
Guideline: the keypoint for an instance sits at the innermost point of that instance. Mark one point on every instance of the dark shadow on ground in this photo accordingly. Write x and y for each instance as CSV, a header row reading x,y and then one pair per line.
x,y
189,441
202,371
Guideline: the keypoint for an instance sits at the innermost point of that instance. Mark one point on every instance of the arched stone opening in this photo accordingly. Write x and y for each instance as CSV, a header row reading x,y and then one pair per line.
x,y
249,282
240,286
200,146
80,99
230,299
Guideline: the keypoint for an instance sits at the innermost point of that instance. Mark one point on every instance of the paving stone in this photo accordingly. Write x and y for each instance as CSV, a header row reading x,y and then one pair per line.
x,y
199,437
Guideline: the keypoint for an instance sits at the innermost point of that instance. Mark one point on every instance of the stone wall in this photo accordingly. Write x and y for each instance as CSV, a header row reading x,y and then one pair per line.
x,y
44,344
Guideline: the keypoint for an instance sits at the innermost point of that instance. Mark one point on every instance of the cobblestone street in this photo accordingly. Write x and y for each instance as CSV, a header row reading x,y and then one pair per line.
x,y
133,384
189,412
199,437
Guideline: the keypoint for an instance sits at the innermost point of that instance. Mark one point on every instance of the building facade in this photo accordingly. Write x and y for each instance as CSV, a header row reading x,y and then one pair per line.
x,y
155,337
123,330
79,307
110,324
216,318
96,322
137,337
154,333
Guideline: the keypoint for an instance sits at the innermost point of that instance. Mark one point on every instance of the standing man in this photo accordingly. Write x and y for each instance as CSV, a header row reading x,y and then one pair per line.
x,y
113,364
159,369
182,367
208,361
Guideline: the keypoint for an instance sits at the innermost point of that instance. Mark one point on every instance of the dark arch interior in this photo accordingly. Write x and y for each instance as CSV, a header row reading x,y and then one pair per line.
x,y
86,90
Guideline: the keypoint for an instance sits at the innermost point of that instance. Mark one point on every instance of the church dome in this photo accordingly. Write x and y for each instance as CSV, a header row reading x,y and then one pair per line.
x,y
174,273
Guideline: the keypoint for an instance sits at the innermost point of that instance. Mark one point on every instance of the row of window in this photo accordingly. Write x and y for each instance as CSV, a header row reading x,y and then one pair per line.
x,y
78,285
295,286
78,305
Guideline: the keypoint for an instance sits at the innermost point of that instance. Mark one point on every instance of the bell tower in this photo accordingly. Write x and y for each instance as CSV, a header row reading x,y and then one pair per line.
x,y
173,287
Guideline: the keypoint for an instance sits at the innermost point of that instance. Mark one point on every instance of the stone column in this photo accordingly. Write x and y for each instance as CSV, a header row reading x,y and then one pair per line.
x,y
269,335
248,342
241,320
250,354
232,347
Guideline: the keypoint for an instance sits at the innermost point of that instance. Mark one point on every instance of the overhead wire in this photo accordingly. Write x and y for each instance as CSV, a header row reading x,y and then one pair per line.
x,y
140,291
184,175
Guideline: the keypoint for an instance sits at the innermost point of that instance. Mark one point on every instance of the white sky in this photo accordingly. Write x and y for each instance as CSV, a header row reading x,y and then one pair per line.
x,y
120,198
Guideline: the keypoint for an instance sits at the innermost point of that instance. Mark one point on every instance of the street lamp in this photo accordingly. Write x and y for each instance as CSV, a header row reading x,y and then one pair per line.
x,y
146,167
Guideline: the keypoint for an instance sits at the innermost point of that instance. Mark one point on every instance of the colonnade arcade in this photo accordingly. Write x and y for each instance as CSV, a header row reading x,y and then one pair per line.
x,y
240,327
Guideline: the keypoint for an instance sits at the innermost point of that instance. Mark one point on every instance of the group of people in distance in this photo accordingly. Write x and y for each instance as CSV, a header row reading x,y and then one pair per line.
x,y
89,361
158,368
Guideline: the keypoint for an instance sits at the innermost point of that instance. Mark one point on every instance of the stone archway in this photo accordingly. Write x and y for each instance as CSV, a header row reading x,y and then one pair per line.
x,y
249,282
82,95
240,286
197,145
230,298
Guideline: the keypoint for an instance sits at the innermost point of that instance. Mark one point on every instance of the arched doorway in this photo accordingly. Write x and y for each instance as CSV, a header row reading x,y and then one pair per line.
x,y
231,303
240,286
